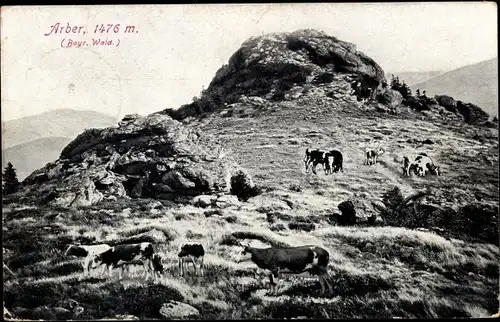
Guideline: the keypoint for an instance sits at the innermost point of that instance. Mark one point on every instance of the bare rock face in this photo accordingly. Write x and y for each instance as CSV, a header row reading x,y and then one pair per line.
x,y
270,65
152,156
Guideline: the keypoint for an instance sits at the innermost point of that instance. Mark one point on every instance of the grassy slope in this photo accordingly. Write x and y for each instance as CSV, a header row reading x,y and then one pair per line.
x,y
377,272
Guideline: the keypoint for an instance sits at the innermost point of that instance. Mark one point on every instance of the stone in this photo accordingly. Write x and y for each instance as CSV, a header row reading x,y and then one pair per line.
x,y
226,201
392,98
204,201
178,310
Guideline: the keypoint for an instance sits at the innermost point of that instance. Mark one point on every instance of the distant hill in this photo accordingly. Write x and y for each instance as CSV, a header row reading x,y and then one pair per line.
x,y
32,155
411,78
477,84
65,123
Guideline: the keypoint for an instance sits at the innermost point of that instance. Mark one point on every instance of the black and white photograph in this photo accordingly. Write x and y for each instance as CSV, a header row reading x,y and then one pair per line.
x,y
245,161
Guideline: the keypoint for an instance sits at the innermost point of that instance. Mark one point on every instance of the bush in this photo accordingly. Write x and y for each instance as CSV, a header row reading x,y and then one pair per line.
x,y
473,222
348,213
243,187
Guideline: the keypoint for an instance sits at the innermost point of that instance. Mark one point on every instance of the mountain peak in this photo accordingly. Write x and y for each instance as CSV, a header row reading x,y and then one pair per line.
x,y
269,64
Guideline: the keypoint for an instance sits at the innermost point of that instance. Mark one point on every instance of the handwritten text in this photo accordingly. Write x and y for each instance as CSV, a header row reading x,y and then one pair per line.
x,y
104,34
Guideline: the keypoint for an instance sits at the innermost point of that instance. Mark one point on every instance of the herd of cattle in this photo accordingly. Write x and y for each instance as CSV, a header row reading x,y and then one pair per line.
x,y
332,161
295,260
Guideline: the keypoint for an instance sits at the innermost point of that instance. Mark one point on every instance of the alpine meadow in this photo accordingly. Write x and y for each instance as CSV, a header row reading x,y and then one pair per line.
x,y
350,195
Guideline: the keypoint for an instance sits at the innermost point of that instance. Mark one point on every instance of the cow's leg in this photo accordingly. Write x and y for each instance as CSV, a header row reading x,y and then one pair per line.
x,y
193,260
202,264
110,270
274,278
315,163
272,284
181,273
322,283
306,163
103,269
146,266
85,265
120,272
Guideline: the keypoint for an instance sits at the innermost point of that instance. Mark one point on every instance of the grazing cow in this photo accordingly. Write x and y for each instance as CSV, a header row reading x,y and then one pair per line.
x,y
294,260
334,162
372,155
193,252
125,254
88,252
156,264
314,157
420,164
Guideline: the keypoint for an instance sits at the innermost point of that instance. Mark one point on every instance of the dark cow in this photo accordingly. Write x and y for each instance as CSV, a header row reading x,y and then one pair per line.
x,y
293,260
121,255
156,263
313,158
372,155
334,162
191,252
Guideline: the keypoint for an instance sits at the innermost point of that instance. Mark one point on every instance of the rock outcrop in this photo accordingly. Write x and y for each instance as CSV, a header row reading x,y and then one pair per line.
x,y
178,310
152,156
270,65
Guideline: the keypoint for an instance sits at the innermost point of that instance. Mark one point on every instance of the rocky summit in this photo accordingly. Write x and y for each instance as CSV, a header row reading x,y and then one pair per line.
x,y
271,64
152,156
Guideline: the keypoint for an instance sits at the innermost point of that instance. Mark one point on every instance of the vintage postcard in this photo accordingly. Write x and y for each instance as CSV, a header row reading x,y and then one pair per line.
x,y
250,161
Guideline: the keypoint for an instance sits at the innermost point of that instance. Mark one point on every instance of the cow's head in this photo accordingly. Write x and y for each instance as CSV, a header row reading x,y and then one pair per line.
x,y
158,263
96,261
380,151
183,250
245,254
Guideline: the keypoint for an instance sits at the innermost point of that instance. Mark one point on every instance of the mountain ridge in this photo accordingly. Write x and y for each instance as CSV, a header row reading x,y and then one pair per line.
x,y
54,123
476,83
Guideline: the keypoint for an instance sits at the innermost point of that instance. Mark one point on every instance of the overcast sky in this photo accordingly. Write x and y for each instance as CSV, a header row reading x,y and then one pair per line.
x,y
178,48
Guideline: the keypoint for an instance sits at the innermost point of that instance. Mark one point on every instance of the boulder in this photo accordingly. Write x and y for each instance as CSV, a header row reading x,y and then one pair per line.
x,y
392,98
358,210
204,201
178,310
226,201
